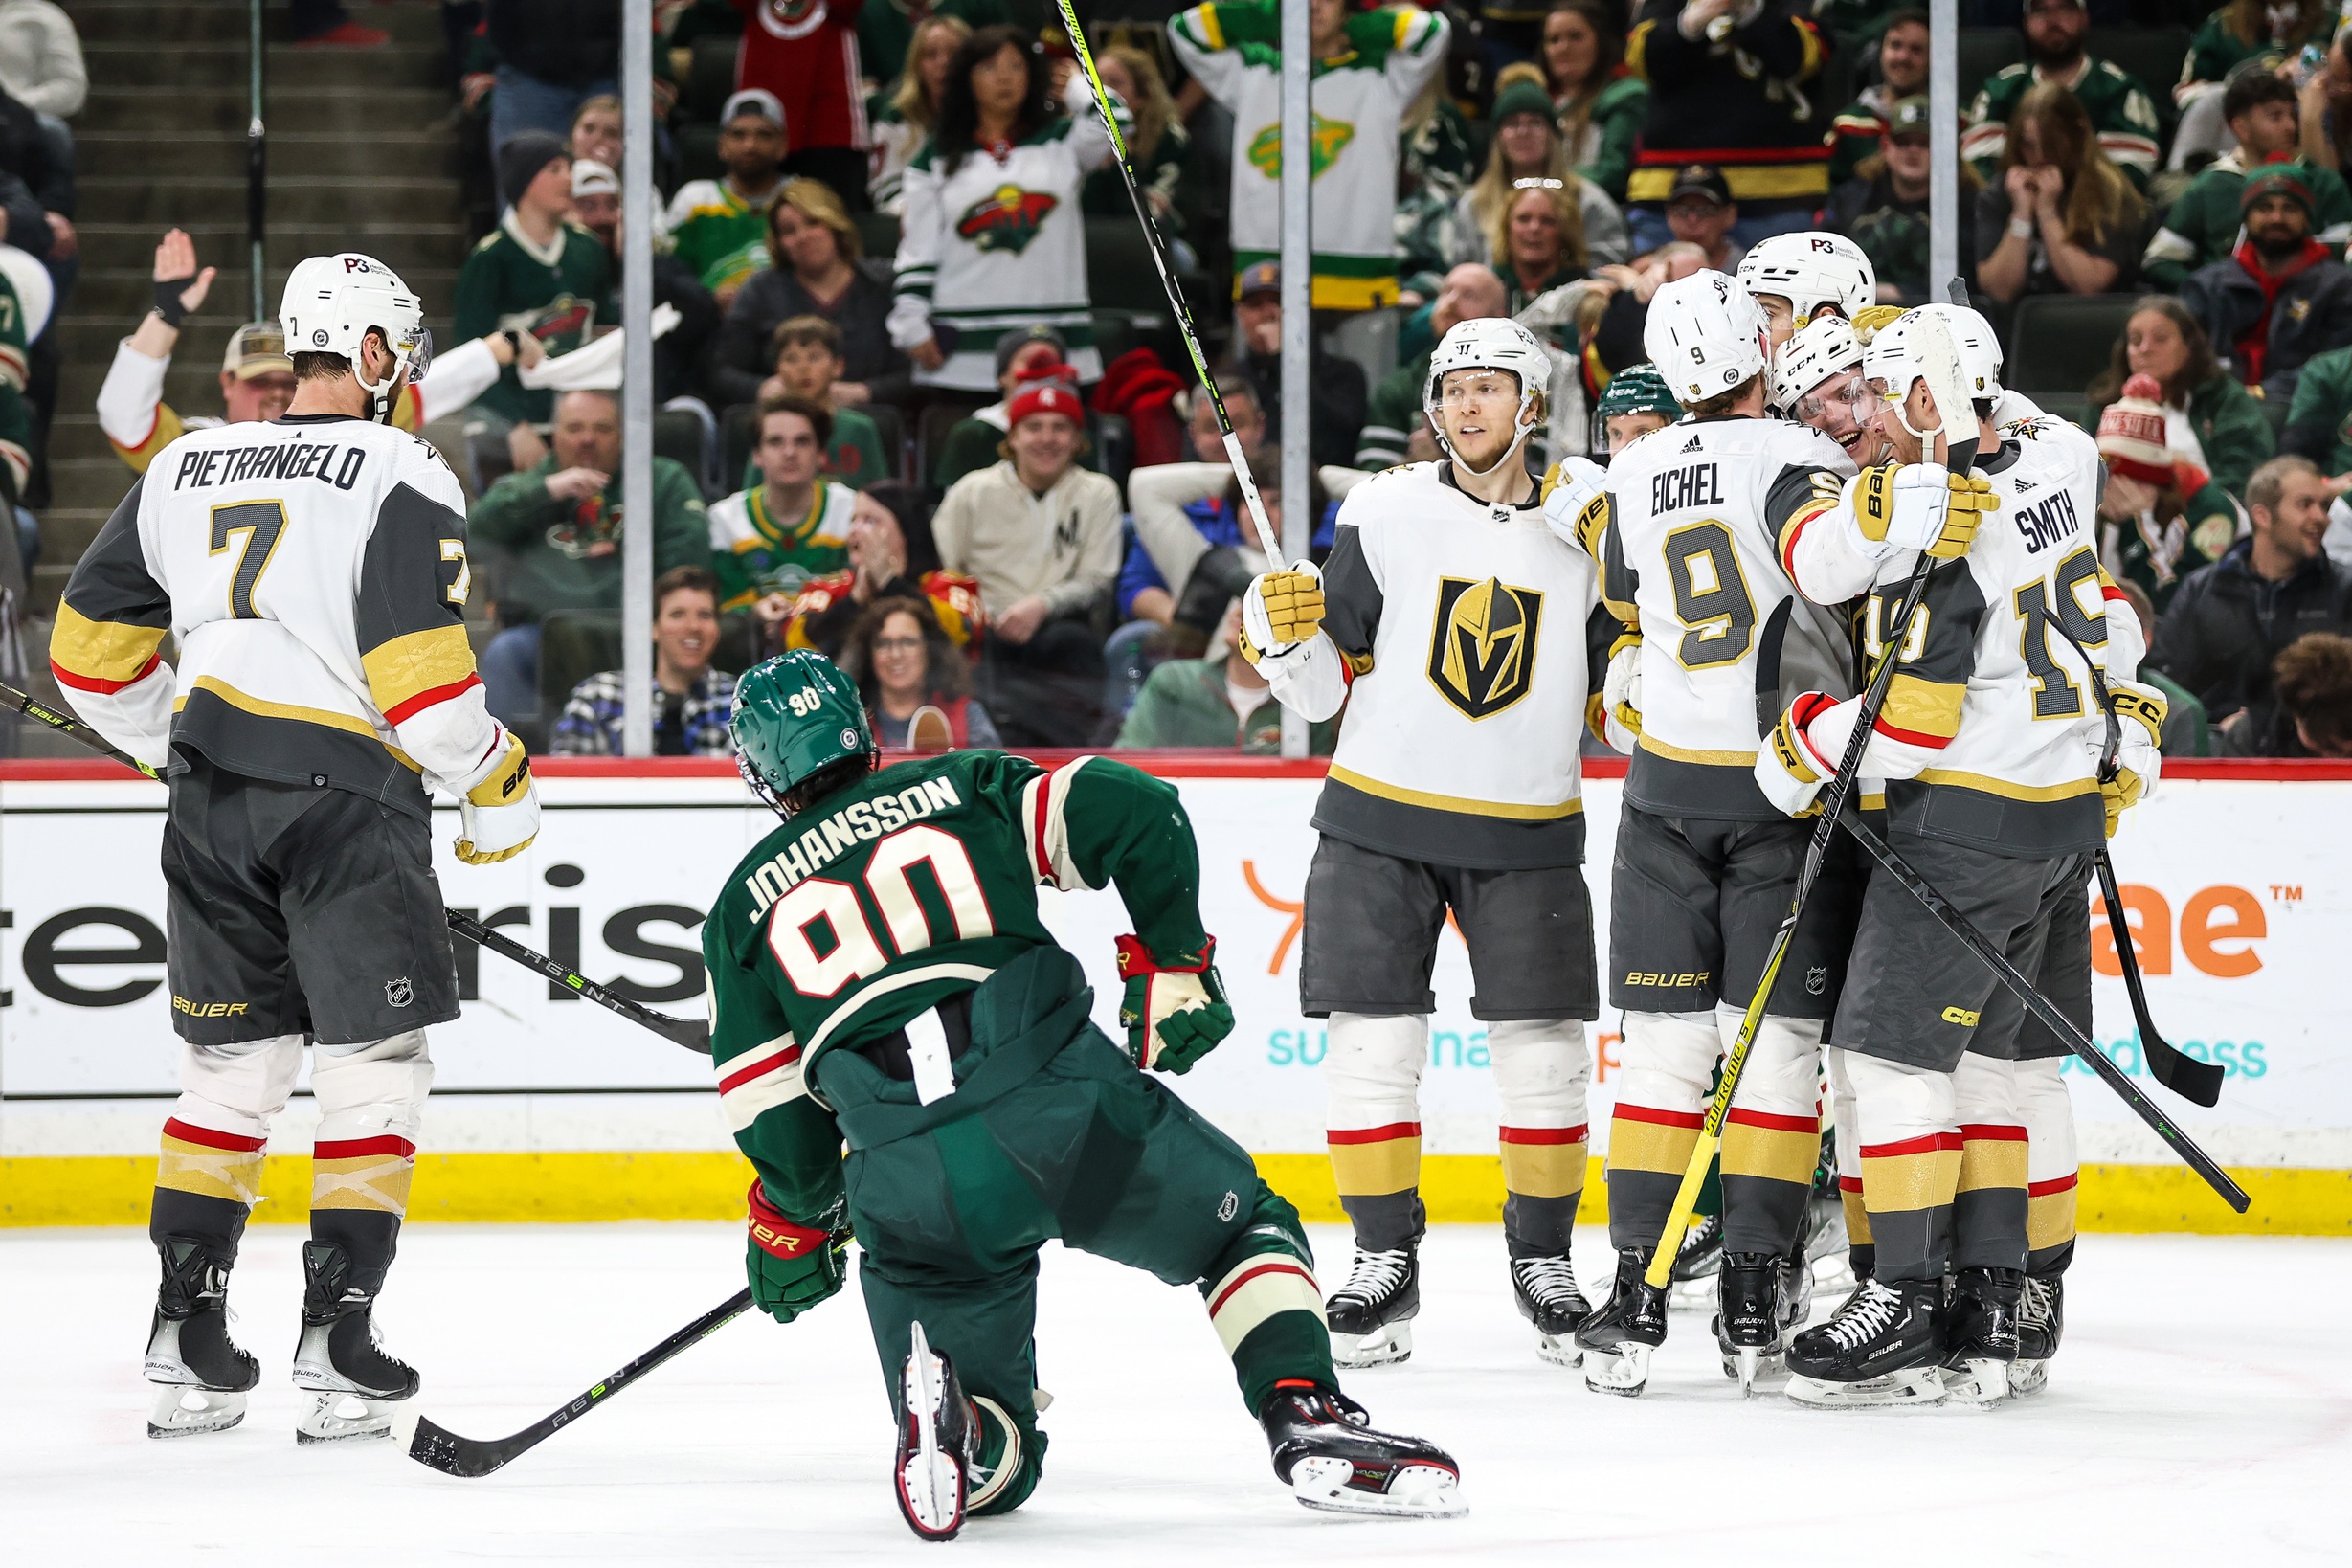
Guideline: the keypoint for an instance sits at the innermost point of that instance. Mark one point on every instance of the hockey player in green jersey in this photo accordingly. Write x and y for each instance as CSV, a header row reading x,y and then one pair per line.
x,y
879,978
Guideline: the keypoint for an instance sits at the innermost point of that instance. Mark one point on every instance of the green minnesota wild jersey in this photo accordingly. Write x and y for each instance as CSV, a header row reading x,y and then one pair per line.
x,y
892,896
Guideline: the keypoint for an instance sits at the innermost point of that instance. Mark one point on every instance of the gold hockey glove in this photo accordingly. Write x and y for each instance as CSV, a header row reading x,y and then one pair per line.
x,y
1283,609
1921,506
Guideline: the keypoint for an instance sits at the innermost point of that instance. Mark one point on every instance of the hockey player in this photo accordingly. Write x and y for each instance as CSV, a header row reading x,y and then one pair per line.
x,y
1705,864
1634,403
1799,278
312,569
1450,624
908,1002
1989,741
1817,381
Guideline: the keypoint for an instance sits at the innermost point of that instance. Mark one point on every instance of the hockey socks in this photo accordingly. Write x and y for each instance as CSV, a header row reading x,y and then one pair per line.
x,y
1263,1301
205,1183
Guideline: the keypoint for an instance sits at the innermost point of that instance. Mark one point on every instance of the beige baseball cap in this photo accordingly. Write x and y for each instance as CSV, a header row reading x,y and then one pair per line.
x,y
257,348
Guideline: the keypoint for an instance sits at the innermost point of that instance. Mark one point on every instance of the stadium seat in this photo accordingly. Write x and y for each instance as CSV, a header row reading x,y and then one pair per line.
x,y
1986,49
2059,343
890,428
1368,336
698,151
574,644
878,235
711,78
2152,54
677,436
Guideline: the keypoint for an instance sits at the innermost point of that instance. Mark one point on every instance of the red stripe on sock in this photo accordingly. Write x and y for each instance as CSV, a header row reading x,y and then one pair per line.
x,y
1933,1143
1273,1265
766,1064
1546,1135
1991,1132
1693,1119
354,1148
1849,1184
1374,1134
190,1132
2056,1184
1776,1124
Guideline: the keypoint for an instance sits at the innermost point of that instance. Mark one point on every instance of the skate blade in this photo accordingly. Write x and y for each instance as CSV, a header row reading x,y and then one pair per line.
x,y
339,1416
1384,1346
1979,1382
1751,1365
184,1410
931,1483
1416,1492
2030,1377
1912,1386
1622,1371
1560,1349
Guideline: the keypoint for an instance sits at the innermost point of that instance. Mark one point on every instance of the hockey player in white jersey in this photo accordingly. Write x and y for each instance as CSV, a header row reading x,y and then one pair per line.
x,y
312,569
1452,624
1800,278
1685,531
1817,381
1990,742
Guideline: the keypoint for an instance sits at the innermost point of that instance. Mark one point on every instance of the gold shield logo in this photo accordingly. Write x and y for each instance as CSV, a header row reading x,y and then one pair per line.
x,y
1482,650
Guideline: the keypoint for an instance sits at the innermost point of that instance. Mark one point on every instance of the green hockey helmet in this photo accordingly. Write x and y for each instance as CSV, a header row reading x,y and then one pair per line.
x,y
796,715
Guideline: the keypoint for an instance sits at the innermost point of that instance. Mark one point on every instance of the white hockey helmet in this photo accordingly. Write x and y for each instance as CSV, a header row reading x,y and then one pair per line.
x,y
1817,350
1489,342
1810,270
1889,357
332,303
1706,334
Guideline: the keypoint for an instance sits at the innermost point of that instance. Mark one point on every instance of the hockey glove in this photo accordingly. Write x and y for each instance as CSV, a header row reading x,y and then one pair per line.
x,y
1280,610
498,815
1919,506
1173,1013
1569,490
792,1266
2139,758
1621,688
1871,318
1788,770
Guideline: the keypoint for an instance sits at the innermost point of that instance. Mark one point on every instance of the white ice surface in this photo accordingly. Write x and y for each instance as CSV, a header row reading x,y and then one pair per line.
x,y
2200,1412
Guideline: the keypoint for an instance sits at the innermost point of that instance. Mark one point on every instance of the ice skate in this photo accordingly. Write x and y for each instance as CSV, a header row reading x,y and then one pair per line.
x,y
938,1442
351,1383
1617,1340
1371,1316
1546,1291
1980,1340
1825,1259
1327,1453
1881,1349
1756,1313
201,1375
2041,1318
1696,1263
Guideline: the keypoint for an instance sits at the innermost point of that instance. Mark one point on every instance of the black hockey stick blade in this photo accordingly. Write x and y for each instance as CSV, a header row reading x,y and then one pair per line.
x,y
1948,915
691,1033
435,1446
2199,1083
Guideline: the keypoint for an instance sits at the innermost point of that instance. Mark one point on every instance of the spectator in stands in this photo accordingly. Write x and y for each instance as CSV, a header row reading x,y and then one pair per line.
x,y
1337,412
808,364
1159,146
2210,419
1373,66
42,67
1527,145
2323,106
892,555
768,540
1700,211
2280,299
805,60
2311,681
814,248
1902,73
1042,535
2165,516
2059,218
2116,105
917,688
1395,428
1192,526
975,441
1600,101
324,24
2203,221
552,55
692,703
2249,35
1883,209
2320,419
720,227
2184,732
2231,619
595,204
1539,242
559,523
596,134
909,108
1220,702
1636,402
537,273
1724,74
886,32
992,235
1142,593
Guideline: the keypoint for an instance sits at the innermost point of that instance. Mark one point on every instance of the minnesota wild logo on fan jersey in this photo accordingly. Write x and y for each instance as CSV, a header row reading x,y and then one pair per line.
x,y
1482,650
1326,139
560,325
1006,219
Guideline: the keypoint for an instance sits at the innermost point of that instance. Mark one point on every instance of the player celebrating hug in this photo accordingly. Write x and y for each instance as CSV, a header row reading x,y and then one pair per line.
x,y
878,977
1990,741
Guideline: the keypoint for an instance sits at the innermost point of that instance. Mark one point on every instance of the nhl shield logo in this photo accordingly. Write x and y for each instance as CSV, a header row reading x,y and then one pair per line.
x,y
1482,650
1816,980
397,993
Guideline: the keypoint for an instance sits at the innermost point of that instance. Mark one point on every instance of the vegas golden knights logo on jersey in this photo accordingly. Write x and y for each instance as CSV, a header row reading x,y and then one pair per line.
x,y
1482,650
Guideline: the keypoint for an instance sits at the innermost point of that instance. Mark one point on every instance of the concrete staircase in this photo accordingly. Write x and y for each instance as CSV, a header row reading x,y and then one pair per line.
x,y
362,156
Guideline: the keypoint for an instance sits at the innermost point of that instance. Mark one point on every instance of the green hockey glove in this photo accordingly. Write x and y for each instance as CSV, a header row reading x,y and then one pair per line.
x,y
1173,1013
792,1266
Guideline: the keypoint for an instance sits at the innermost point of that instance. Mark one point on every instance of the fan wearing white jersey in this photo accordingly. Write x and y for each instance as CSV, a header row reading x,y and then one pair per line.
x,y
1990,742
312,571
1684,527
1450,623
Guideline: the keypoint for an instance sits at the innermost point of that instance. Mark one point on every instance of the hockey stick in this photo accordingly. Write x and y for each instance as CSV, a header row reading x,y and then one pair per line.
x,y
431,1444
1266,540
691,1033
2045,1011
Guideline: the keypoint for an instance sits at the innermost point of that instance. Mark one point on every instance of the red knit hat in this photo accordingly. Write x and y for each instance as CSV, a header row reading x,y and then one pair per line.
x,y
2132,434
1046,394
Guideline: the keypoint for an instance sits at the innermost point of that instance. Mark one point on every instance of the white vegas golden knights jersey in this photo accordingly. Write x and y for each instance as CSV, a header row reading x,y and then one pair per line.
x,y
313,570
1455,635
1686,535
1990,732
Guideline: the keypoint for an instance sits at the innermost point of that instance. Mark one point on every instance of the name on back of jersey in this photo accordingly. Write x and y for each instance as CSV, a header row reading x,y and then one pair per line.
x,y
1675,489
838,832
2050,521
296,459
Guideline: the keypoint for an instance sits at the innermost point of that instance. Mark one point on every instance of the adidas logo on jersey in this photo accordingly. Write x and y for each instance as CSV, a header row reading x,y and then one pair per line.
x,y
1693,445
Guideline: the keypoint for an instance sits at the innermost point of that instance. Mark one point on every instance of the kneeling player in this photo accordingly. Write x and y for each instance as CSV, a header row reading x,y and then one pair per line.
x,y
908,1002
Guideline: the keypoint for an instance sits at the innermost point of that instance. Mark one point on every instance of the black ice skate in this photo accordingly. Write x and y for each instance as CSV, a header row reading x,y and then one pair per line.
x,y
1617,1339
1546,1291
1762,1299
1980,1334
2041,1318
1881,1348
1327,1452
201,1374
349,1378
1371,1316
1825,1253
1696,1262
938,1442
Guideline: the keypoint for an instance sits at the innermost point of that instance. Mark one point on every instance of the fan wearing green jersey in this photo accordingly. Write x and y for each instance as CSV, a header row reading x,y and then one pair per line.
x,y
879,979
